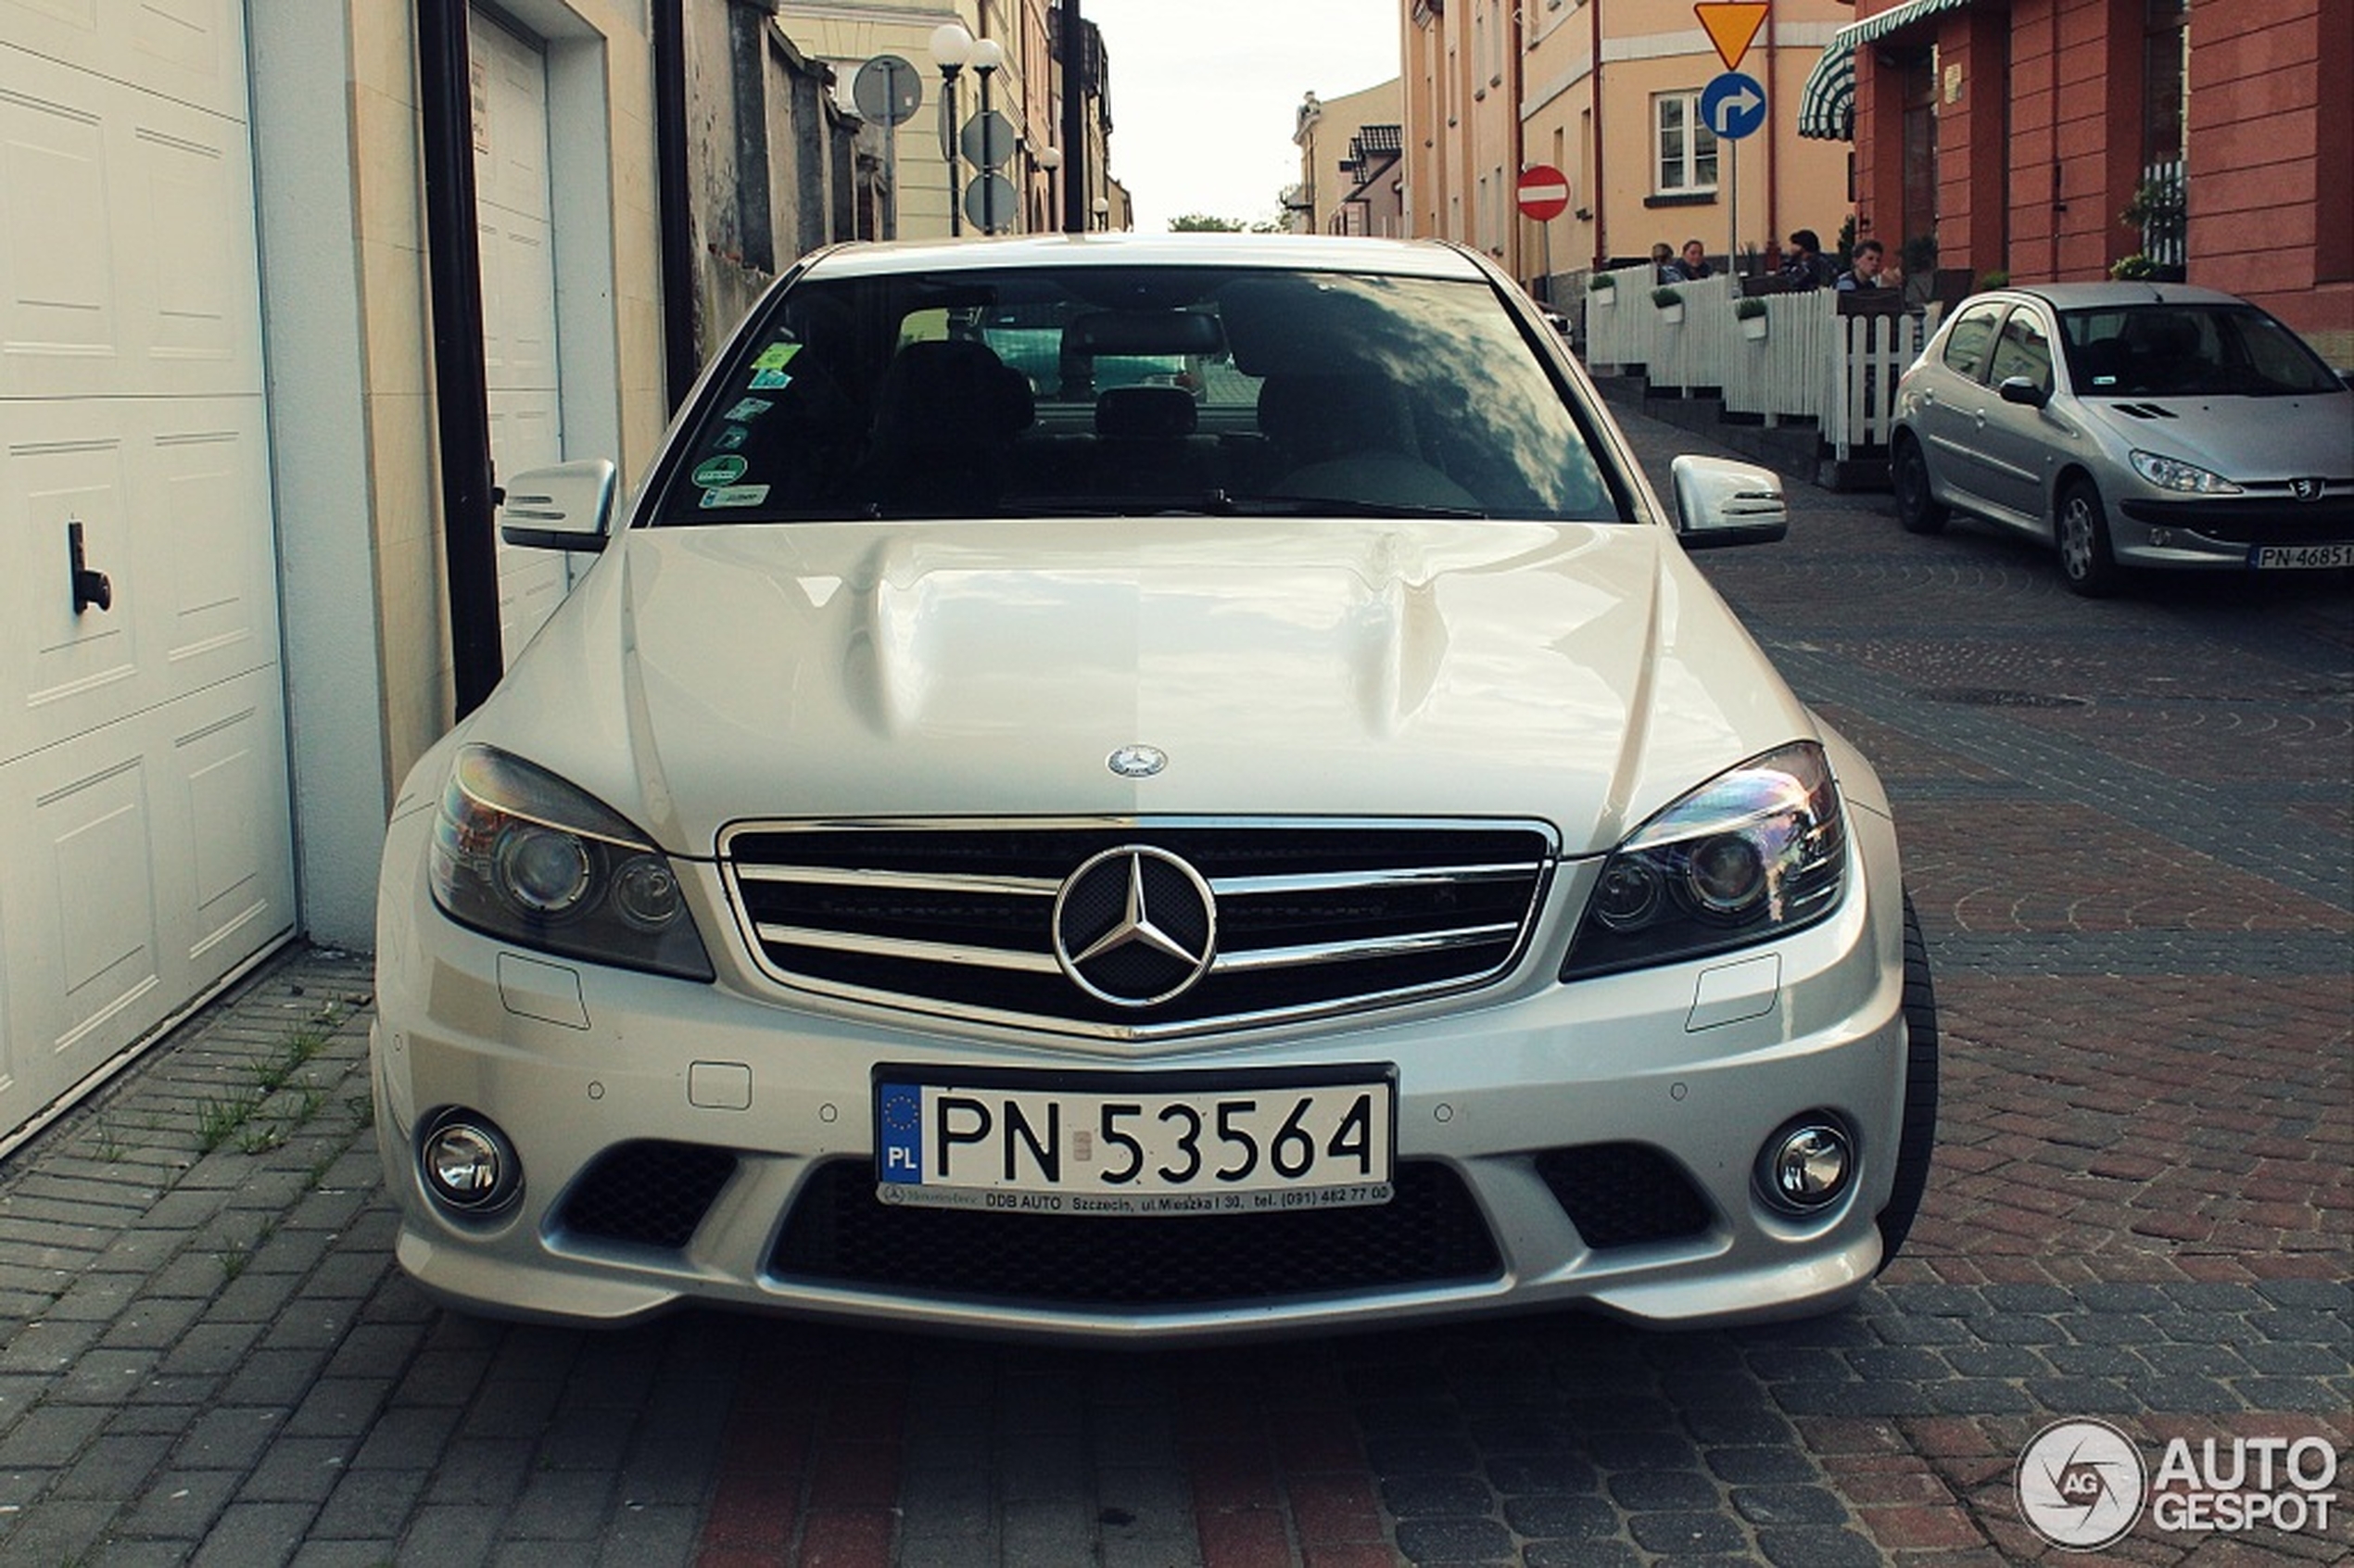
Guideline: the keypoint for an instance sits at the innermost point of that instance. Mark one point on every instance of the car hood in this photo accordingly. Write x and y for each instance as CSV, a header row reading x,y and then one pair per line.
x,y
2245,438
1581,674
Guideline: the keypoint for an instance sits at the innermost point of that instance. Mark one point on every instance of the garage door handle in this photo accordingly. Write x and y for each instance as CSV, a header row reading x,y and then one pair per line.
x,y
89,588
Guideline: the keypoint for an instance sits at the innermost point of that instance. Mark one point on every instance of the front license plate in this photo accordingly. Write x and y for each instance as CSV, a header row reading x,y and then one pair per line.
x,y
2290,558
1214,1144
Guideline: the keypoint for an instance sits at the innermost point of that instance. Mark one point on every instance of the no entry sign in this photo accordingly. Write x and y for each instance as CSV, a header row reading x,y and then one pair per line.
x,y
1544,192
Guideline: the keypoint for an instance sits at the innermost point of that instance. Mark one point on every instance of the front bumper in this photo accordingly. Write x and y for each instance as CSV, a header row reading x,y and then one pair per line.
x,y
2228,531
1699,1063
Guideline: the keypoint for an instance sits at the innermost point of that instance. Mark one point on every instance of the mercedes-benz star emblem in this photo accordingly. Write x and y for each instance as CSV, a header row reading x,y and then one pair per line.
x,y
1135,926
1137,762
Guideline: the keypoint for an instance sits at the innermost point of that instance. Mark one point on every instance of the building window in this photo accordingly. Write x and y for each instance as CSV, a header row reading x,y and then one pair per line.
x,y
1686,147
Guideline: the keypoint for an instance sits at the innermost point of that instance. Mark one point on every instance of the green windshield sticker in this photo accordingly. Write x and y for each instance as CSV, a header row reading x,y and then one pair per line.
x,y
777,356
731,439
734,495
751,408
770,380
719,470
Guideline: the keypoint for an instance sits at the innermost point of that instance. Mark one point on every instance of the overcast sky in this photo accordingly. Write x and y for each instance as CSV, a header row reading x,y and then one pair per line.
x,y
1205,94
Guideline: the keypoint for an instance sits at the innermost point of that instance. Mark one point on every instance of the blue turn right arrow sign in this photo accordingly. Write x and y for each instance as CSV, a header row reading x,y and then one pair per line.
x,y
1733,105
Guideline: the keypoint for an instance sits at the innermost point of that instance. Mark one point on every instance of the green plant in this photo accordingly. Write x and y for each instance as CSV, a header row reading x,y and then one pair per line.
x,y
1920,255
1994,278
216,1119
107,1145
1600,282
1666,298
1747,309
2126,269
261,1138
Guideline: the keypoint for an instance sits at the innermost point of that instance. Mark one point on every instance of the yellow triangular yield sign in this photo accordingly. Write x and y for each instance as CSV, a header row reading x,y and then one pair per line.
x,y
1731,25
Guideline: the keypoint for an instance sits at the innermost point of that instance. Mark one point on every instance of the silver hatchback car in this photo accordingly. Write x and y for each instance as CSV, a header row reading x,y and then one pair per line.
x,y
2130,425
1145,789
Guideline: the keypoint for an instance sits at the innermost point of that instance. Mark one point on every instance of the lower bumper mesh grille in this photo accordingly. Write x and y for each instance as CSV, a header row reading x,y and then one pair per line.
x,y
1430,1233
649,1193
1624,1195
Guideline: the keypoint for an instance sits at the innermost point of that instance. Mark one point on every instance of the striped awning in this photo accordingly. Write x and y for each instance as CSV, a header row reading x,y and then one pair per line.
x,y
1827,104
1895,19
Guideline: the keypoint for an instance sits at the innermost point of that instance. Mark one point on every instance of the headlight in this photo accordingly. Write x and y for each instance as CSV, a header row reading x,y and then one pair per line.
x,y
521,854
1753,854
2173,473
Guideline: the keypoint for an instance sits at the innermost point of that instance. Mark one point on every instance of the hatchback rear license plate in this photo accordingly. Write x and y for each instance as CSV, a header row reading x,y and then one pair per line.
x,y
2290,558
1210,1144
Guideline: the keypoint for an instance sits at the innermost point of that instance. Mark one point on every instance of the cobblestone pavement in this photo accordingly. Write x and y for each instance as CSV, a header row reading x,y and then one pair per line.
x,y
2128,833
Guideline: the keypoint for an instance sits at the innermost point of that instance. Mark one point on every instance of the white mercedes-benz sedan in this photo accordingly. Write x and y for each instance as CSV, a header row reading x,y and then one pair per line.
x,y
1147,788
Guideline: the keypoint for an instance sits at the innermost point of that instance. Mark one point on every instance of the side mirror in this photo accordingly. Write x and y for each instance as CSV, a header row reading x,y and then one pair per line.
x,y
566,507
2019,389
1720,503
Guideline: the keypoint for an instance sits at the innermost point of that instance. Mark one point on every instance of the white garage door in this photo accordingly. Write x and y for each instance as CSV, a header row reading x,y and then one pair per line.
x,y
512,209
144,846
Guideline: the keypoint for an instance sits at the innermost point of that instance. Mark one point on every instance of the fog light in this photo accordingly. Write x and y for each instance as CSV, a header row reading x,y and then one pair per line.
x,y
1807,1166
468,1164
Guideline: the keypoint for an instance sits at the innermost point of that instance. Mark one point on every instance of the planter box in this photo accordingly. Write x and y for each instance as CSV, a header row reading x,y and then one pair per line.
x,y
1671,314
1753,327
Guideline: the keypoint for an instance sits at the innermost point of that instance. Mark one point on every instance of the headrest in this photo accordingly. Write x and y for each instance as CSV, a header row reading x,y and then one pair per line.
x,y
1326,414
952,389
1146,414
2163,335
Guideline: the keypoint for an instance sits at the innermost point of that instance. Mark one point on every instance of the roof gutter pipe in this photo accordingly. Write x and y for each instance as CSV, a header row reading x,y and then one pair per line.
x,y
461,403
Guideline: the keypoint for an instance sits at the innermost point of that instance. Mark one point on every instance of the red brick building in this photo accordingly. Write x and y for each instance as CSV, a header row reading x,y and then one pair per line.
x,y
2018,131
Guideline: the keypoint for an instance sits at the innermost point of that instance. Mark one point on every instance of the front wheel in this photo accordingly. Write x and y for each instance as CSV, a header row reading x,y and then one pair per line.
x,y
1917,1139
1917,510
2086,561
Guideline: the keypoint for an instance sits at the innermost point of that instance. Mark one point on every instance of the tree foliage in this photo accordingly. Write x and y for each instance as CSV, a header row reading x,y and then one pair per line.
x,y
1205,224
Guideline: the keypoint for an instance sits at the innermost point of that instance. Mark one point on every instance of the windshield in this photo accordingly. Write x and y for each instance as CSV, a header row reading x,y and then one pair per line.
x,y
2162,350
1134,390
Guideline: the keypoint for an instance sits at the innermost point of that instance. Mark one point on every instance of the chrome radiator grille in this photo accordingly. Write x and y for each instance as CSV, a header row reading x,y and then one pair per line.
x,y
1136,928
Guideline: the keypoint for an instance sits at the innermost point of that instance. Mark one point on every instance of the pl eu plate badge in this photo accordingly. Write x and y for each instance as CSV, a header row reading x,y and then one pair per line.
x,y
901,1130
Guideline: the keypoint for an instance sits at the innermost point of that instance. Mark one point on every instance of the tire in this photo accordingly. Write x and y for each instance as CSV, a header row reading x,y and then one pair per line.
x,y
2081,530
1917,510
1917,1140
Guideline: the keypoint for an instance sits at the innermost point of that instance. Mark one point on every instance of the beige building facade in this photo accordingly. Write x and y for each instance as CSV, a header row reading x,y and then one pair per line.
x,y
1349,178
1609,92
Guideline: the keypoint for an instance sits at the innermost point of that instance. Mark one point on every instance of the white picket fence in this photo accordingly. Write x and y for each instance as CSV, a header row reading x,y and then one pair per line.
x,y
1810,362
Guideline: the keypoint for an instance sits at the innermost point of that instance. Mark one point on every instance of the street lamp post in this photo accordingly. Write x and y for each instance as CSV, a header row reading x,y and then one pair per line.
x,y
1102,212
1050,159
987,56
952,47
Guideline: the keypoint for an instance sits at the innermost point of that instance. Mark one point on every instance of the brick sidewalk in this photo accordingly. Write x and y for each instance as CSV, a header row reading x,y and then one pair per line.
x,y
2127,829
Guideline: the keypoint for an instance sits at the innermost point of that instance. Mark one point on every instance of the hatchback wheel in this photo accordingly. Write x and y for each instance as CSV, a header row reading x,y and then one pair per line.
x,y
1917,512
2085,559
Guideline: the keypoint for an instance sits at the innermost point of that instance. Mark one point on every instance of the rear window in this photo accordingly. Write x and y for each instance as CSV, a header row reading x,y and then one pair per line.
x,y
1127,390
